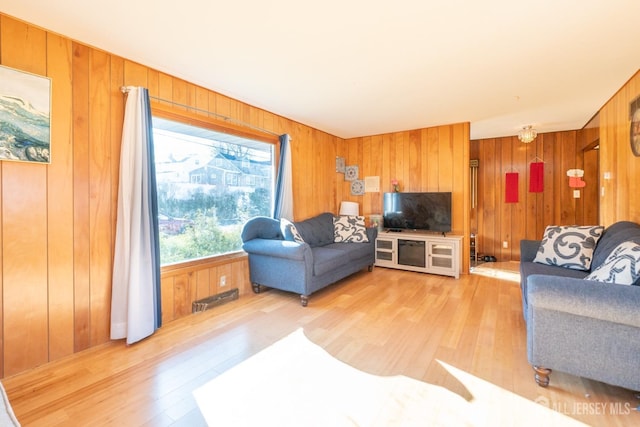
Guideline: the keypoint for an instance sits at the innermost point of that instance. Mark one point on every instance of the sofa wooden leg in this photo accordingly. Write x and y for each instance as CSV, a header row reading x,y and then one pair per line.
x,y
542,375
256,288
304,300
370,268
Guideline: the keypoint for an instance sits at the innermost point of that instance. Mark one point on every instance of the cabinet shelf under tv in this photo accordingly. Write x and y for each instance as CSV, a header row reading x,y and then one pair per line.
x,y
419,251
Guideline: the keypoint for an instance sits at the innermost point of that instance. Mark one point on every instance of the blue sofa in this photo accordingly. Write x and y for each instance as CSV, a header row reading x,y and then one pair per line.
x,y
277,260
582,327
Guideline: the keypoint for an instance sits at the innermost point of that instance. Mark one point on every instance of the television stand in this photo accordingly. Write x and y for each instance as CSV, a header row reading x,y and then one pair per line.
x,y
421,252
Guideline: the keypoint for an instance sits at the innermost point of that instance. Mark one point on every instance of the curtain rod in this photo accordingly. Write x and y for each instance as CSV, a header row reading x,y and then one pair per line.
x,y
126,89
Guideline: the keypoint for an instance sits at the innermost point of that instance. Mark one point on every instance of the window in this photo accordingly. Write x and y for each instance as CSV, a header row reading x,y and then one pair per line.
x,y
202,206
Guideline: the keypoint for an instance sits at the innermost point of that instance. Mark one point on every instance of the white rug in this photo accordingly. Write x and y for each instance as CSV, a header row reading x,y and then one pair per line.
x,y
7,417
297,383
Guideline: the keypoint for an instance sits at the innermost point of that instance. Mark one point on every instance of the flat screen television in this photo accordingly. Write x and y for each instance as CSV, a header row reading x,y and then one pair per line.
x,y
430,211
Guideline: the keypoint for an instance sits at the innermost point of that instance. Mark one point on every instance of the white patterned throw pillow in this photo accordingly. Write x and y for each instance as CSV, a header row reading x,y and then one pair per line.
x,y
621,267
569,246
349,229
289,231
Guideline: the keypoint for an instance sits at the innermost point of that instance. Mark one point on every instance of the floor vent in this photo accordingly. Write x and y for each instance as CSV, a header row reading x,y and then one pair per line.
x,y
214,300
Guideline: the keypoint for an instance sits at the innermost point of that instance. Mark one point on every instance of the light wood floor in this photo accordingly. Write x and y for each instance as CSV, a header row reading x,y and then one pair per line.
x,y
386,322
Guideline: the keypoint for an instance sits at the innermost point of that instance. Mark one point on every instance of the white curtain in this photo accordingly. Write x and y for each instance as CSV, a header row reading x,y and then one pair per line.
x,y
283,203
135,301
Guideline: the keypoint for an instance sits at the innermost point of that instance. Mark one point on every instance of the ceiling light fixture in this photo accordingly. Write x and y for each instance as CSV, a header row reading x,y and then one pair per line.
x,y
527,134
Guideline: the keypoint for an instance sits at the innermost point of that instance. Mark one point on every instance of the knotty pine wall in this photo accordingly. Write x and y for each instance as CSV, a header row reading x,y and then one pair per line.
x,y
620,200
57,221
429,159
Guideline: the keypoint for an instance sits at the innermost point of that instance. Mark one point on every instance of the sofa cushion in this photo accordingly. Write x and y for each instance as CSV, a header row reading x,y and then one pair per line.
x,y
289,231
569,246
316,231
613,236
327,258
353,251
348,228
529,268
622,267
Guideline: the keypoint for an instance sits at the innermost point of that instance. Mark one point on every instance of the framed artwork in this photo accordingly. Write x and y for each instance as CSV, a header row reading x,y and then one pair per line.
x,y
634,129
340,164
351,173
25,116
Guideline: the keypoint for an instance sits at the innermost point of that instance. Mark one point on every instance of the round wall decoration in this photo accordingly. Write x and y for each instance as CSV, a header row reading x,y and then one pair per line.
x,y
357,187
350,173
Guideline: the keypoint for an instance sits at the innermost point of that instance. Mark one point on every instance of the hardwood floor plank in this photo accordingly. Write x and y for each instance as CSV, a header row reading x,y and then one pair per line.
x,y
387,322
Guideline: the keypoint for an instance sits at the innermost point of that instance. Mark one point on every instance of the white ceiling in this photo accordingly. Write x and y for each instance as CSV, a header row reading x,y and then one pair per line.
x,y
365,67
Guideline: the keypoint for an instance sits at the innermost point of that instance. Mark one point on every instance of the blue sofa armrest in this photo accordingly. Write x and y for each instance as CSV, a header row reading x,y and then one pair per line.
x,y
613,303
528,250
372,233
279,249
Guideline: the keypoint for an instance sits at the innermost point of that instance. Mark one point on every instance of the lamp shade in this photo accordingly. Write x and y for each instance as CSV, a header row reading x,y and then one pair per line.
x,y
349,208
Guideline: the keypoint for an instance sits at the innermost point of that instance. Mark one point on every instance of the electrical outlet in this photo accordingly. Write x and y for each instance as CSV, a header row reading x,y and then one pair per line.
x,y
223,281
505,244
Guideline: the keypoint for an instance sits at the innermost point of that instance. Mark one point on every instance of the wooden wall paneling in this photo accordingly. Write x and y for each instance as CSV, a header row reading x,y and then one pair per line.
x,y
506,209
117,117
445,159
100,196
490,196
413,154
549,203
165,88
398,146
81,219
304,165
375,152
609,148
202,285
591,192
167,298
325,188
223,105
180,95
153,82
519,211
24,223
240,276
565,202
533,221
433,163
135,74
368,170
627,160
60,200
388,164
202,101
424,158
182,294
632,91
461,188
224,270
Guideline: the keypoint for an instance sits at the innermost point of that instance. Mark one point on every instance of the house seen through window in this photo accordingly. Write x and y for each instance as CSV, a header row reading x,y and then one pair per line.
x,y
209,183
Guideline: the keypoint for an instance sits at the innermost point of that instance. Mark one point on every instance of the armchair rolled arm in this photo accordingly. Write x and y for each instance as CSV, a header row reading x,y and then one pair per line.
x,y
603,301
278,248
